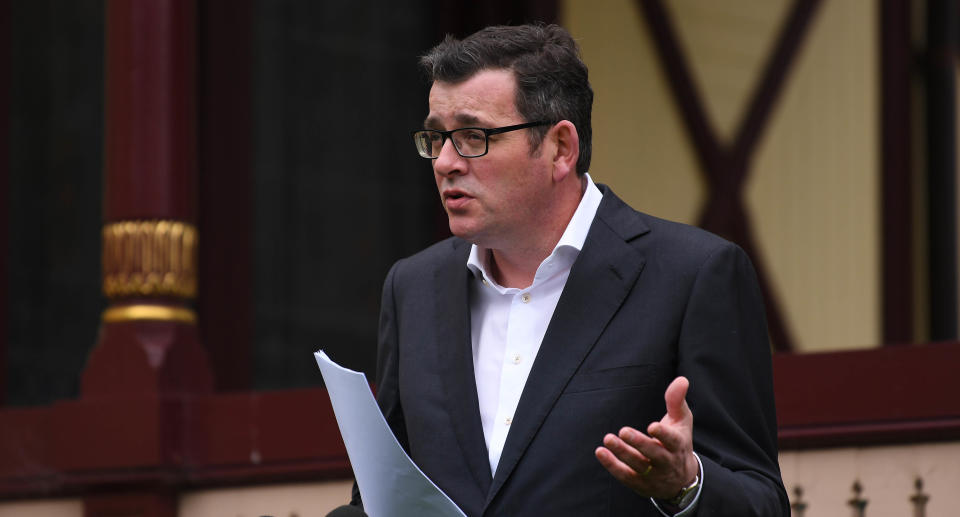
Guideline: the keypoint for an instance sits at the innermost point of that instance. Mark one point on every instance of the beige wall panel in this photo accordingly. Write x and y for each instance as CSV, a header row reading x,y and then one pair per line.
x,y
813,191
886,474
299,500
47,508
640,147
727,44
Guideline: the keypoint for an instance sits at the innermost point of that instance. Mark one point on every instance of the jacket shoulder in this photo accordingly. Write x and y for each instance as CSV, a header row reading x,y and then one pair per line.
x,y
423,263
646,230
676,246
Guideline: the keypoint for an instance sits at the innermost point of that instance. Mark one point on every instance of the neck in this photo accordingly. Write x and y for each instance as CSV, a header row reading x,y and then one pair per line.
x,y
517,266
515,269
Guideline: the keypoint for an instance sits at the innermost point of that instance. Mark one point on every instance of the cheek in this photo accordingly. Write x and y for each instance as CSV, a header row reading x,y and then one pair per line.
x,y
437,178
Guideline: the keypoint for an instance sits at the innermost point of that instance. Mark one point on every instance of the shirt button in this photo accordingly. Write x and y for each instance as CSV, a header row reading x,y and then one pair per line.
x,y
484,280
525,297
516,358
508,421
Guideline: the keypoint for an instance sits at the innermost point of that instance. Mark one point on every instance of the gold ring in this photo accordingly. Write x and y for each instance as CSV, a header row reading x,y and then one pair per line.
x,y
649,468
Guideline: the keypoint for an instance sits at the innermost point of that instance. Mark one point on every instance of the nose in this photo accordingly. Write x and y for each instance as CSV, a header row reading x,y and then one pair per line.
x,y
449,161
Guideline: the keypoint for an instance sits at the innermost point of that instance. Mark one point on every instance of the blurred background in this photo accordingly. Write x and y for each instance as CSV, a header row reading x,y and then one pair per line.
x,y
199,194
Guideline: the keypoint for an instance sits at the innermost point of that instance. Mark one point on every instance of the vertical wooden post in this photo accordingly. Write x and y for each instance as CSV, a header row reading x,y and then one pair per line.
x,y
5,63
896,61
148,340
942,166
148,355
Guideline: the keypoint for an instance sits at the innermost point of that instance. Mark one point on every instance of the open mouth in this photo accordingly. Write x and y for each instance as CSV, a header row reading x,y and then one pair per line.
x,y
454,199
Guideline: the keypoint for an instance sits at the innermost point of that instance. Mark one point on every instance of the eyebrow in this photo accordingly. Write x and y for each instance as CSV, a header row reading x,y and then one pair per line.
x,y
463,118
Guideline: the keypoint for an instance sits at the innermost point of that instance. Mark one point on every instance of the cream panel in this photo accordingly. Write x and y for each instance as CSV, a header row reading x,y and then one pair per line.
x,y
47,508
640,147
886,474
813,191
297,500
727,44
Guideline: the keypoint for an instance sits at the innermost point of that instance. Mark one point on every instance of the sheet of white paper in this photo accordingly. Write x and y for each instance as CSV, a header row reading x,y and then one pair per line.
x,y
390,483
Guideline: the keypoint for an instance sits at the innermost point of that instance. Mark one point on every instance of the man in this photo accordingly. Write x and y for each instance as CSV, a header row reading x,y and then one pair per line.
x,y
550,358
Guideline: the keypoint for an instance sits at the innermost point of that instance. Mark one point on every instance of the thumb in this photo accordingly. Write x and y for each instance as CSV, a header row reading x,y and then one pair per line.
x,y
675,397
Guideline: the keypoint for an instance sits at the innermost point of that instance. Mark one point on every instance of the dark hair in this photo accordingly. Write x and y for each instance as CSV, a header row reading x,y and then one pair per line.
x,y
551,78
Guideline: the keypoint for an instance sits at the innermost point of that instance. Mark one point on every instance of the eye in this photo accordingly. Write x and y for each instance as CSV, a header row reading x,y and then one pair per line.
x,y
473,135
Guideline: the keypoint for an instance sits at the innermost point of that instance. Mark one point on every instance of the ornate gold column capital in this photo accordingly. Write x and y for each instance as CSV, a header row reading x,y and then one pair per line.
x,y
149,259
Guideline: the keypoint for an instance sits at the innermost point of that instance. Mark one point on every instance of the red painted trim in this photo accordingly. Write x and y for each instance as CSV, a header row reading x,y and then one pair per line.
x,y
142,504
886,395
860,435
868,397
182,442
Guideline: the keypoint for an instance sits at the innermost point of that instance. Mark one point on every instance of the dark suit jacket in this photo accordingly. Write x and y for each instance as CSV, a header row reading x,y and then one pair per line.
x,y
646,300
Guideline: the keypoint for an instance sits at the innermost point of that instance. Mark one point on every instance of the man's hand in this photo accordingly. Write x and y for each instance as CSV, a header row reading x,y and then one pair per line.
x,y
660,463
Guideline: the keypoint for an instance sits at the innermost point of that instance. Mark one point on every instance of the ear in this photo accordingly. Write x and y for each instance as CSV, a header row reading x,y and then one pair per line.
x,y
566,149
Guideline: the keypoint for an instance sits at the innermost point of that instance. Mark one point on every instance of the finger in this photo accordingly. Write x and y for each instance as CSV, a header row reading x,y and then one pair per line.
x,y
675,397
619,470
638,440
650,448
672,437
626,453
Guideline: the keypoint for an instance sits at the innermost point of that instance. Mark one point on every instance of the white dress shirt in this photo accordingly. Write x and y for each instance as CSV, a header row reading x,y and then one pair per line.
x,y
507,324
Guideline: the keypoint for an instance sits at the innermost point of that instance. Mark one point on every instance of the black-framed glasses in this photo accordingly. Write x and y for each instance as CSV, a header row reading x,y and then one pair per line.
x,y
470,142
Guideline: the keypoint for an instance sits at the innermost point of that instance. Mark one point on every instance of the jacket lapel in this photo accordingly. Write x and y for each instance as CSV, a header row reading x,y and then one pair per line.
x,y
599,282
456,357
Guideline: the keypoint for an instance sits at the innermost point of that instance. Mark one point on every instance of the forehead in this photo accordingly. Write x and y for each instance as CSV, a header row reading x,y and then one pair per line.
x,y
487,97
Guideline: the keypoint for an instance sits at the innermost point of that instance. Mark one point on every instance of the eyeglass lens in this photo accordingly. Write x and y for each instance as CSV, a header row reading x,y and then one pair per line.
x,y
468,141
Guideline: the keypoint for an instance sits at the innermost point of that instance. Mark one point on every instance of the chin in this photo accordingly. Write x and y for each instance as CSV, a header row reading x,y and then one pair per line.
x,y
464,231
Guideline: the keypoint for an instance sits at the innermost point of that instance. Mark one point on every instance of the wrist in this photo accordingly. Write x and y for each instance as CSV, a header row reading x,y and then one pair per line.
x,y
687,499
686,494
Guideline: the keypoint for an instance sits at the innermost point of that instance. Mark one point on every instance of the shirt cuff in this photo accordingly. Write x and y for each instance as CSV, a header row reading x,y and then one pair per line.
x,y
681,512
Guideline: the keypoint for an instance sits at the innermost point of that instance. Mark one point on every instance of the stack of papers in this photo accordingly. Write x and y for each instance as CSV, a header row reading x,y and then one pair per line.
x,y
391,485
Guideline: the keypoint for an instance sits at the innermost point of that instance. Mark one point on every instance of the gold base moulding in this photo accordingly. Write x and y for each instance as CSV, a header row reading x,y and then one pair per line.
x,y
150,258
148,312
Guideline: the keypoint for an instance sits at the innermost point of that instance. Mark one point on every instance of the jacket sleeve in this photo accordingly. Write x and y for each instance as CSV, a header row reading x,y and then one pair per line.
x,y
724,350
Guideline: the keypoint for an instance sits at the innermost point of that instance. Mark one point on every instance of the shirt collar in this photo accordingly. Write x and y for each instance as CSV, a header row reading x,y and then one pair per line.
x,y
572,239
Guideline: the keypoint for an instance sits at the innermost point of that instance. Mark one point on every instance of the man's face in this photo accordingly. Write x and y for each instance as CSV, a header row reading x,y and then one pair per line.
x,y
497,199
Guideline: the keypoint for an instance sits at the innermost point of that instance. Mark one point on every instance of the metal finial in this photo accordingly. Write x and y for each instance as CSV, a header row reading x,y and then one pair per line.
x,y
919,499
858,503
798,505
